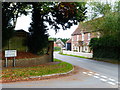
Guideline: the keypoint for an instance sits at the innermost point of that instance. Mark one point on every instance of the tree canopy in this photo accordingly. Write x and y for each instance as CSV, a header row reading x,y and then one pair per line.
x,y
56,14
108,45
10,12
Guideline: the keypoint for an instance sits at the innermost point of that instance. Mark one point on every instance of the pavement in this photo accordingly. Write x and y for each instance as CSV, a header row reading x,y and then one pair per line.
x,y
91,74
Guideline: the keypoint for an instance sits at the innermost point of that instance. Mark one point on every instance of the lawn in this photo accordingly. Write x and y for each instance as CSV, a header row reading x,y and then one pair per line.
x,y
20,73
74,55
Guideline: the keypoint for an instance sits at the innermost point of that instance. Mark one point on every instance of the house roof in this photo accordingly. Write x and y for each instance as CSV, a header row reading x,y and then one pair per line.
x,y
77,31
59,41
21,30
68,41
87,26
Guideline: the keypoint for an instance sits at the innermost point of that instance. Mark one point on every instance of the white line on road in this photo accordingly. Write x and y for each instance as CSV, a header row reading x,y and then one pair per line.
x,y
104,76
84,73
89,74
111,83
103,80
96,76
111,79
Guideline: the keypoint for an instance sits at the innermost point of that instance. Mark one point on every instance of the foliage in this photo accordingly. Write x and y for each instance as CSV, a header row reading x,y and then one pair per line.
x,y
62,39
38,39
55,14
10,12
74,55
93,43
108,45
105,47
100,8
57,48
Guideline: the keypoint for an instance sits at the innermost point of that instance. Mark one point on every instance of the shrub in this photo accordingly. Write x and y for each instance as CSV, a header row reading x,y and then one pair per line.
x,y
105,47
57,48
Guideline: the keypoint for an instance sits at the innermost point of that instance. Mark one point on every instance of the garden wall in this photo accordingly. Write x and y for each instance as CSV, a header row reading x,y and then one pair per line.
x,y
33,61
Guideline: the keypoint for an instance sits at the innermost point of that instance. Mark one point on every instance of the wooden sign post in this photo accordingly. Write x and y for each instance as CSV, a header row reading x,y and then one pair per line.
x,y
10,53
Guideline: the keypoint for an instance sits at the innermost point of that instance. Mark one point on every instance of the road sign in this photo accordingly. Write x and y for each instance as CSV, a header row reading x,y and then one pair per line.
x,y
10,53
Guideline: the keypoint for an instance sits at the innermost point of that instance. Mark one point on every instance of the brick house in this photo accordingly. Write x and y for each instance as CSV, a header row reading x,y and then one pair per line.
x,y
80,39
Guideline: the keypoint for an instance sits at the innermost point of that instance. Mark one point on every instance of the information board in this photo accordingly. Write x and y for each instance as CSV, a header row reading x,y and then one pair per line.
x,y
10,53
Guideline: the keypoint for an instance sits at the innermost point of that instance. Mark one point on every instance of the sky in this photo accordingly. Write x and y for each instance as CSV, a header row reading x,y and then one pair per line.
x,y
60,34
26,24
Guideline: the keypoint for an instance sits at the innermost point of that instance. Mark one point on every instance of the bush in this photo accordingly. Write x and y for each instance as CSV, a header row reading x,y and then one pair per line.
x,y
57,48
105,47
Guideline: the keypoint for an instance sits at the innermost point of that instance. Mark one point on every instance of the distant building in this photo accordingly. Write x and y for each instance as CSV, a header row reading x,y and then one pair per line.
x,y
17,41
21,33
68,44
59,43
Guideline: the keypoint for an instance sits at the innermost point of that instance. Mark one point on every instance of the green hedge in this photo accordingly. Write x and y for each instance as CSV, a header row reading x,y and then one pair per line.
x,y
105,47
57,48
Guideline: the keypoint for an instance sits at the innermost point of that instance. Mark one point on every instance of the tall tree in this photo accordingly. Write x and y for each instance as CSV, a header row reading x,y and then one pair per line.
x,y
100,8
56,14
10,12
108,23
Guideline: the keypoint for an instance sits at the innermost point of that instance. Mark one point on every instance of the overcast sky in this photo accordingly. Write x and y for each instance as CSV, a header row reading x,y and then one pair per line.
x,y
23,22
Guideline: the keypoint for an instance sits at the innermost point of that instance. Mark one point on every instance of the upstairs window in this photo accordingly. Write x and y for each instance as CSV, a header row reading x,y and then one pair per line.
x,y
82,36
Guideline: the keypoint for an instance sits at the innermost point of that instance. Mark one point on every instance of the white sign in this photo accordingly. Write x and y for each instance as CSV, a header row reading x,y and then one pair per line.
x,y
10,53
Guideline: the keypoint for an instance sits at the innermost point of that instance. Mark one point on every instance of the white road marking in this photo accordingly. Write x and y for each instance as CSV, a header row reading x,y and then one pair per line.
x,y
111,79
89,74
103,80
111,83
104,76
84,72
96,76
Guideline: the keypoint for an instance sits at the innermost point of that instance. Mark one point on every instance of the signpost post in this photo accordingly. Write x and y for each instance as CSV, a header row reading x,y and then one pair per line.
x,y
10,53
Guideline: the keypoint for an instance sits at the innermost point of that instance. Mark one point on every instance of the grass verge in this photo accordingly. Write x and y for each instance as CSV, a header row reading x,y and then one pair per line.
x,y
97,59
17,73
74,55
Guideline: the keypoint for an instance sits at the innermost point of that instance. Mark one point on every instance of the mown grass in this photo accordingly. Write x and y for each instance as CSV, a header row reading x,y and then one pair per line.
x,y
74,55
15,73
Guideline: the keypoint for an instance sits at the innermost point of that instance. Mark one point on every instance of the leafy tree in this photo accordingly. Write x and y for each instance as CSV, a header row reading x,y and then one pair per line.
x,y
63,39
56,14
10,12
100,8
108,23
108,45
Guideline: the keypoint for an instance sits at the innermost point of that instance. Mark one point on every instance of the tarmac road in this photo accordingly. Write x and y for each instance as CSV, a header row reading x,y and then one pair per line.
x,y
95,74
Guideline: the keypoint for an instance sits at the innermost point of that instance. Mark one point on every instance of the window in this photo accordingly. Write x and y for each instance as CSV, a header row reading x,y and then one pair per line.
x,y
77,37
82,36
